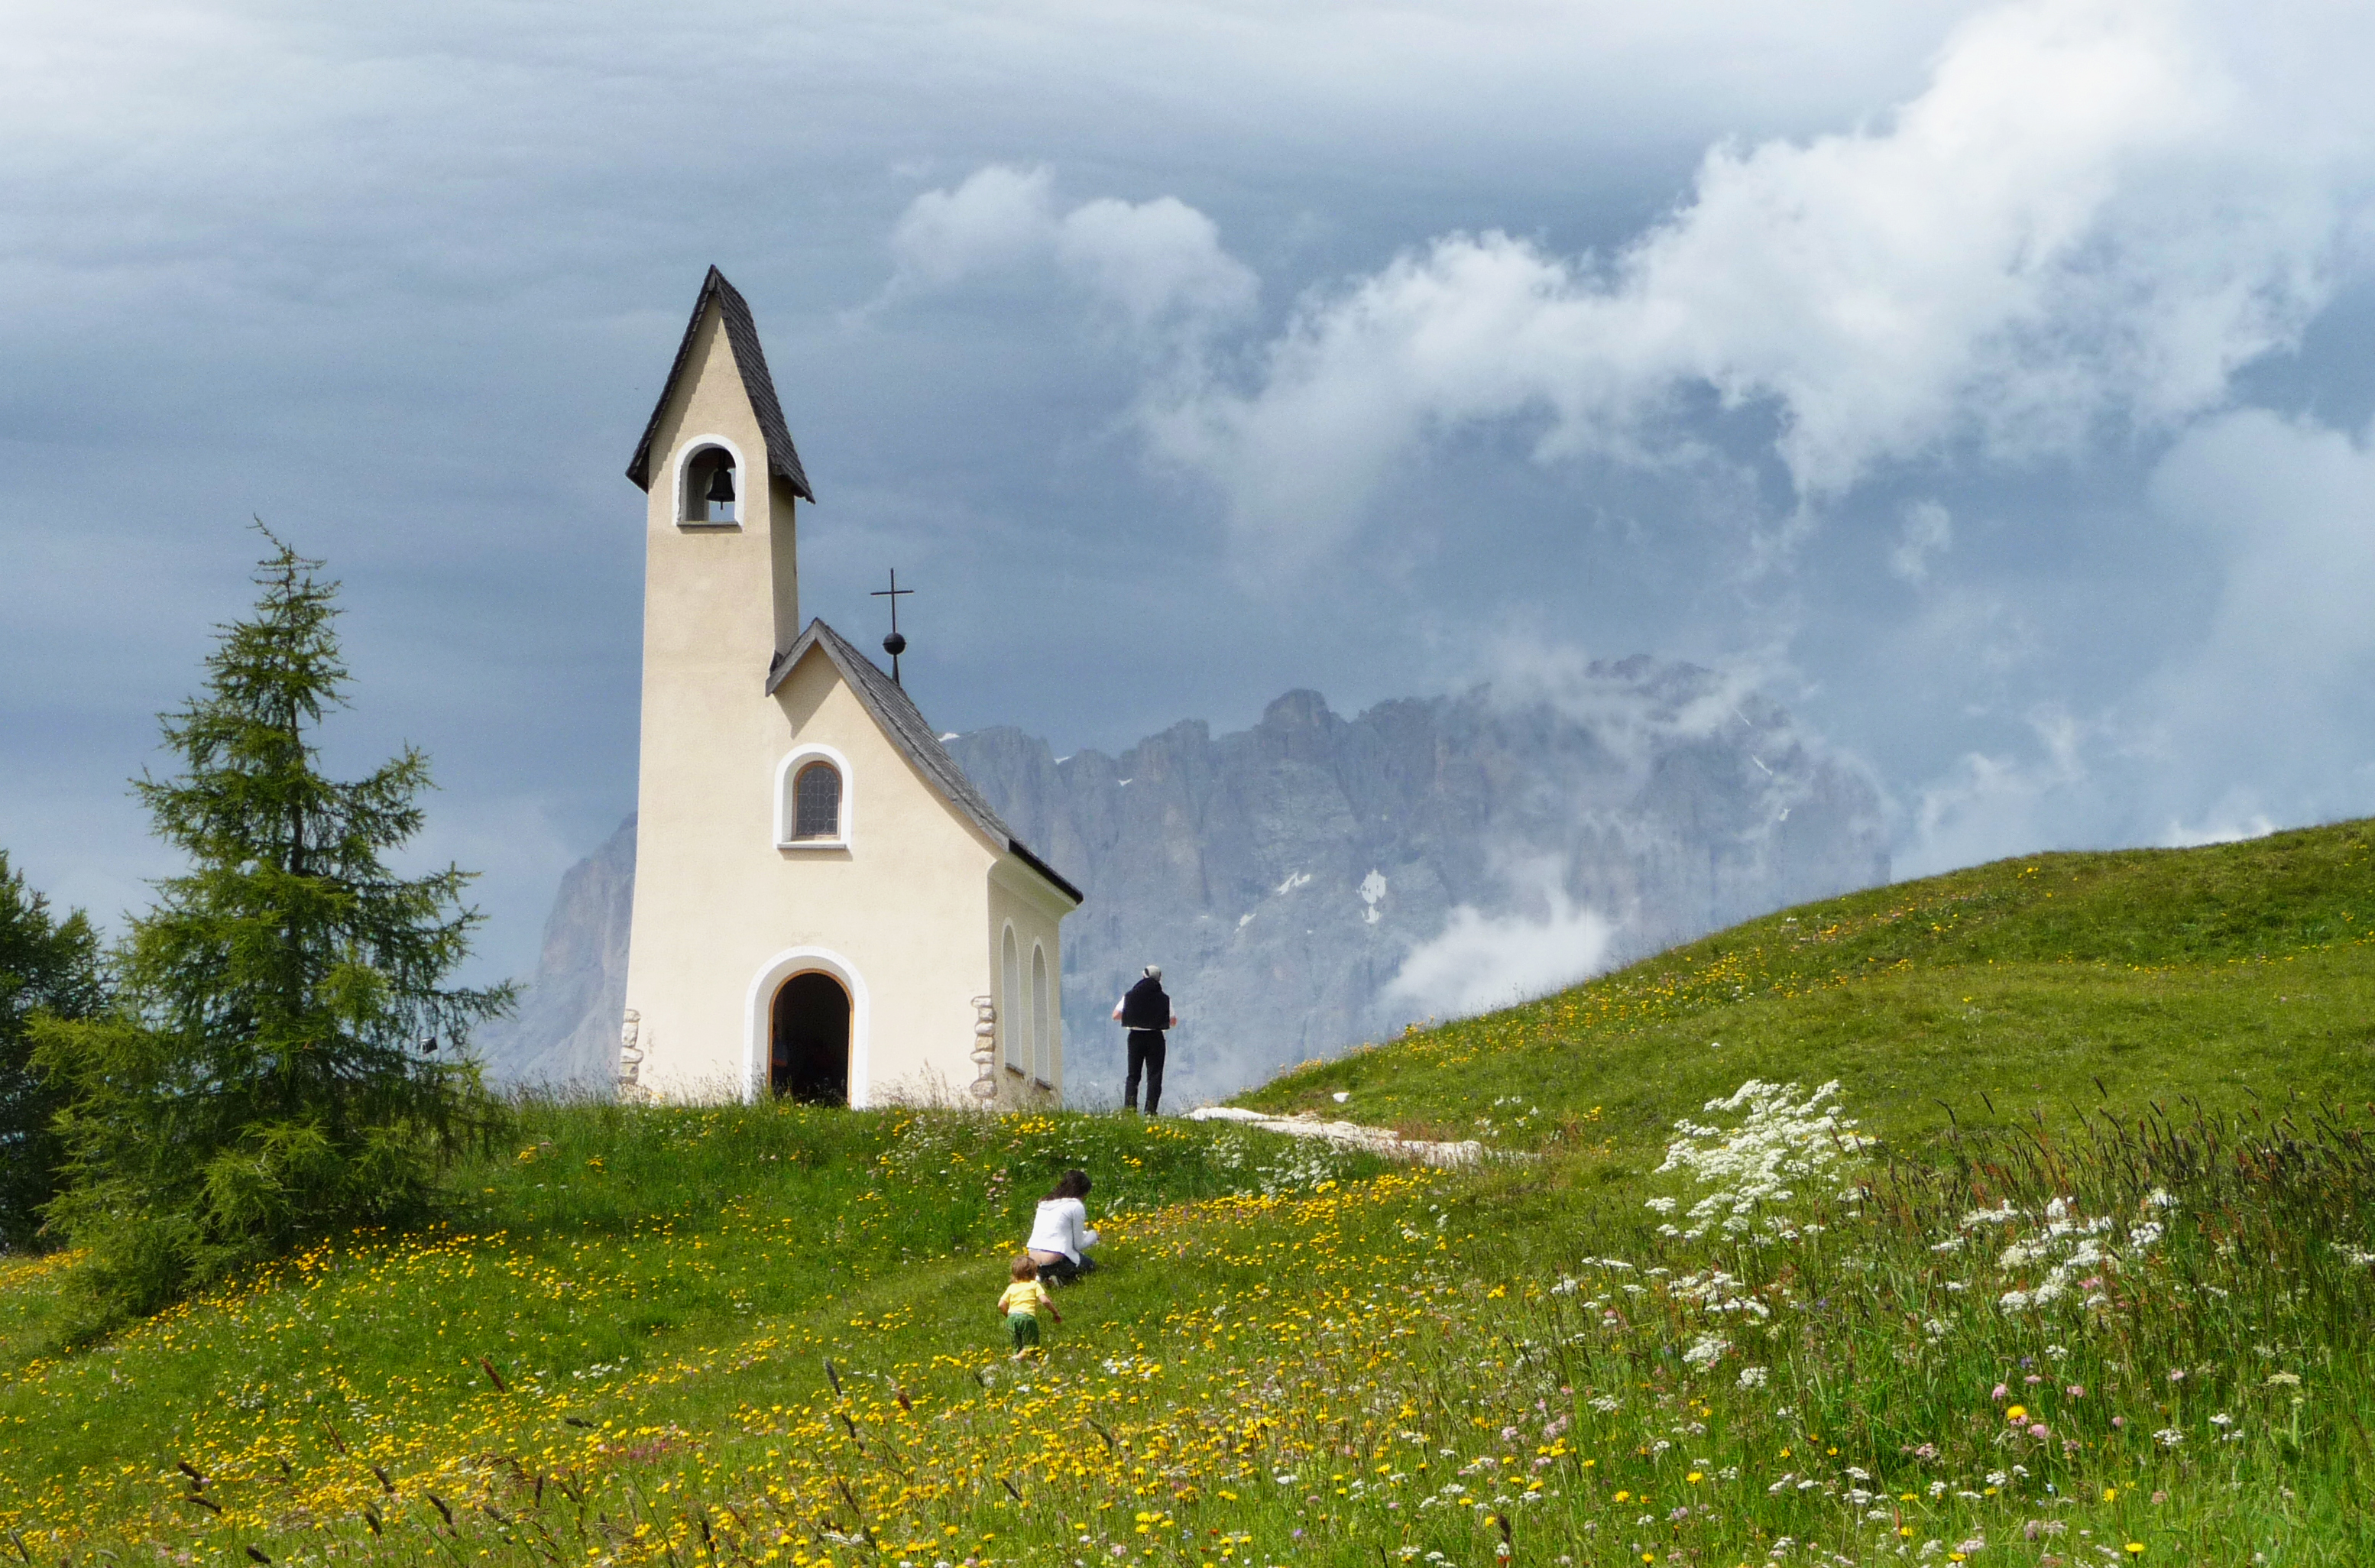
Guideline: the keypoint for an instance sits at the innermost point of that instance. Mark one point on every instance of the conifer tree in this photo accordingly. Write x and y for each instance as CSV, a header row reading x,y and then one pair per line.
x,y
285,1060
47,966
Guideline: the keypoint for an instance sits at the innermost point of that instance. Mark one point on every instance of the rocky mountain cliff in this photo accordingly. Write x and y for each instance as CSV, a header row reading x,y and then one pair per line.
x,y
566,1032
1317,880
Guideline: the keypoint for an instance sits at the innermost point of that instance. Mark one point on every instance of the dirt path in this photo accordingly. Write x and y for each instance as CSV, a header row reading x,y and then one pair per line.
x,y
1349,1134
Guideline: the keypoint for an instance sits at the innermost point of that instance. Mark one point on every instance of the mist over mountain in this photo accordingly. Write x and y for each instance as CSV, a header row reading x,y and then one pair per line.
x,y
1317,880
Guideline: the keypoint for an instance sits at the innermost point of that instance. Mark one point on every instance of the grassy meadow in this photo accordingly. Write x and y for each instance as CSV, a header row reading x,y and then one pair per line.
x,y
2076,1263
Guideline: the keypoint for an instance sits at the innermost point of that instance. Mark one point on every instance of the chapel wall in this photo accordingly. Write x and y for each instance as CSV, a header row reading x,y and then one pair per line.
x,y
1020,900
900,907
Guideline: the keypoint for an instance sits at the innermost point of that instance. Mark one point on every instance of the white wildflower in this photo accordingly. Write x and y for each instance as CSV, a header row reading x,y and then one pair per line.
x,y
1780,1143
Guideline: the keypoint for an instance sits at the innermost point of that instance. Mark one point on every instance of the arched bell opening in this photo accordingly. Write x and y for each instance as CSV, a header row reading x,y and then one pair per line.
x,y
709,487
809,1040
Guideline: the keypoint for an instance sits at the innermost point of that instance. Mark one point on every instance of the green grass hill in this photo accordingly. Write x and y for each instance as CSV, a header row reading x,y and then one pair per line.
x,y
2077,1263
2239,975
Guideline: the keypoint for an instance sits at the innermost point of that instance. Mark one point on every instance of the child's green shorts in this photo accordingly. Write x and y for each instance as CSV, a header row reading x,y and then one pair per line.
x,y
1022,1327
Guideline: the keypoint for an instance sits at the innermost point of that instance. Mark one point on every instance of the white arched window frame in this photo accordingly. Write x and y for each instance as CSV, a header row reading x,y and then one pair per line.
x,y
786,811
1013,1026
1042,1058
688,450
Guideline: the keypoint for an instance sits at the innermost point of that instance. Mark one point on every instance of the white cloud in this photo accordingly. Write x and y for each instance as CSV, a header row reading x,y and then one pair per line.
x,y
2261,717
1994,804
1001,217
2079,220
1154,260
1156,263
2274,698
1928,529
1483,962
2216,829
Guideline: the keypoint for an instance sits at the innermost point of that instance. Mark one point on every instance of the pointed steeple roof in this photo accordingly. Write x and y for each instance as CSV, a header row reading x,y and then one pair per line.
x,y
742,335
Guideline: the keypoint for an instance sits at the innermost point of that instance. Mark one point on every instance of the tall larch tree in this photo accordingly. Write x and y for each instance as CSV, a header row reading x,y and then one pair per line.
x,y
286,1059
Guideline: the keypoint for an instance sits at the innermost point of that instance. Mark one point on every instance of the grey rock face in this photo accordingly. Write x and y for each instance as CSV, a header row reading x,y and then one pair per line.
x,y
1315,881
566,1032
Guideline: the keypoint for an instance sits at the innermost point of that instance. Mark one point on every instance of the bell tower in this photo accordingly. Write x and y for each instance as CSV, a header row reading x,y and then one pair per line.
x,y
721,598
717,462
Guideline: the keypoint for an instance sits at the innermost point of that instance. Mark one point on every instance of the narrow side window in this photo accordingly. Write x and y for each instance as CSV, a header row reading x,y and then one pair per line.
x,y
1043,1063
1010,1017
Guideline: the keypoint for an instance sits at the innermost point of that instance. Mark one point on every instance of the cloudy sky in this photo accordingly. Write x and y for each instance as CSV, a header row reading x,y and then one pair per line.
x,y
1992,383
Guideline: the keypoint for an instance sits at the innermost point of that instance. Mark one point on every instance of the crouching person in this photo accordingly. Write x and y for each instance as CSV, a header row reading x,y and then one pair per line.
x,y
1060,1237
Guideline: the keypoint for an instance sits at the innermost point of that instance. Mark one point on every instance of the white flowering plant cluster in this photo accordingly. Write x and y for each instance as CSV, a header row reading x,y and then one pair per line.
x,y
2056,1254
1773,1181
1786,1154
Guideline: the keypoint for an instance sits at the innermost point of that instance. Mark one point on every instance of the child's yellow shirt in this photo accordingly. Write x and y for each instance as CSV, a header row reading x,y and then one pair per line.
x,y
1025,1295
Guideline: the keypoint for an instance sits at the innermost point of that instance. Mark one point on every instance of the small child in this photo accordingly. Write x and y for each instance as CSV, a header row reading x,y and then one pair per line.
x,y
1020,1304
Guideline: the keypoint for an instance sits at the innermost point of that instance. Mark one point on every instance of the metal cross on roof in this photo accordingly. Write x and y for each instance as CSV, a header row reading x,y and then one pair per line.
x,y
893,644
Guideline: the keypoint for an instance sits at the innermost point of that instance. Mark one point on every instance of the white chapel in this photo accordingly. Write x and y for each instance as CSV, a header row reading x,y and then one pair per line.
x,y
825,907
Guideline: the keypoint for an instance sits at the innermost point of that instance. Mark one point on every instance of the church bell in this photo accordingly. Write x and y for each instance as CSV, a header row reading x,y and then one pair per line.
x,y
721,484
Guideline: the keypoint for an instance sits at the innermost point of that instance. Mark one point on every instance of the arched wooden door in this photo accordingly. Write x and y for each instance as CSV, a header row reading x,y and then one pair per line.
x,y
809,1059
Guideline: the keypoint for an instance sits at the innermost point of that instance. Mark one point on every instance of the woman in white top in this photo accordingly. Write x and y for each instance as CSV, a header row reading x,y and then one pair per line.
x,y
1061,1233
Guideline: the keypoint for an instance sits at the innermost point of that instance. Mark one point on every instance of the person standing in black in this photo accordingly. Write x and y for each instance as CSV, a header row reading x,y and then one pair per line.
x,y
1146,1012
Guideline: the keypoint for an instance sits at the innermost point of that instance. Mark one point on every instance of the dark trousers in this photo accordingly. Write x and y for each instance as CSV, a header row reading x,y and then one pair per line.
x,y
1145,1057
1064,1271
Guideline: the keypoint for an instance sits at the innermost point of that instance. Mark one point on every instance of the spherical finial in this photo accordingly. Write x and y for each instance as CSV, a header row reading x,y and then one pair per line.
x,y
894,644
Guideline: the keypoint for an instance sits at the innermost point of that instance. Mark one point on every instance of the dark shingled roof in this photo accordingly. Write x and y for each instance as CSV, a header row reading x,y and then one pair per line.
x,y
896,712
742,332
